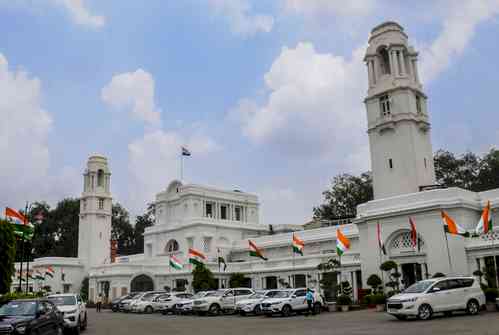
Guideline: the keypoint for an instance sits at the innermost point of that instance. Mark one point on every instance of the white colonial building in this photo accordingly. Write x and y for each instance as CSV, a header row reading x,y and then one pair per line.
x,y
220,222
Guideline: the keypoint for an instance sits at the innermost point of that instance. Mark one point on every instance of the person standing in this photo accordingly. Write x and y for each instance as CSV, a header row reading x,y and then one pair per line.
x,y
99,302
309,298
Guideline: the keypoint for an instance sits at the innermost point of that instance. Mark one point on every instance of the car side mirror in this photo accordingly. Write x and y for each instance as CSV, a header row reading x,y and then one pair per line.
x,y
293,296
435,289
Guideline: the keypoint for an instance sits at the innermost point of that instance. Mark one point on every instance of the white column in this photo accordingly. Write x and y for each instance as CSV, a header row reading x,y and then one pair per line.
x,y
353,278
415,70
393,65
402,63
369,75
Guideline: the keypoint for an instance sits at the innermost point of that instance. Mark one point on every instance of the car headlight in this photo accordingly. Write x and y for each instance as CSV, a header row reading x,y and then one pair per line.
x,y
21,329
409,300
202,302
276,303
71,311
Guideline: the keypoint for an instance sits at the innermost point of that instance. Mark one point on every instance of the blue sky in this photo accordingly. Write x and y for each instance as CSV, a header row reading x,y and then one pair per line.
x,y
266,94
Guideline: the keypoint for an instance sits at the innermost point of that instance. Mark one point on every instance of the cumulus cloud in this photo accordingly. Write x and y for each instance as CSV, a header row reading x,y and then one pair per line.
x,y
80,14
25,172
240,18
313,105
459,26
153,162
315,8
133,91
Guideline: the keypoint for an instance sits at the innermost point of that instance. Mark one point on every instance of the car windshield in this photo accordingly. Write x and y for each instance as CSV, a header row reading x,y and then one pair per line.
x,y
63,300
419,287
282,294
271,294
15,308
199,295
256,296
148,297
215,294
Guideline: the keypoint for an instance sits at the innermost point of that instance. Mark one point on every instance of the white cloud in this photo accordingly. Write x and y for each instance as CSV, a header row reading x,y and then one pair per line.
x,y
241,20
80,14
25,172
314,8
459,25
135,91
314,104
154,161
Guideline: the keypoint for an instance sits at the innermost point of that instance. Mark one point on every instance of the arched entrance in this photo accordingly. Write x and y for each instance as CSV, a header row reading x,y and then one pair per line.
x,y
411,259
142,283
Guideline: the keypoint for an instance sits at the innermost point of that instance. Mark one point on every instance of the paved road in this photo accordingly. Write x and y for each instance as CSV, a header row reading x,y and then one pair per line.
x,y
366,322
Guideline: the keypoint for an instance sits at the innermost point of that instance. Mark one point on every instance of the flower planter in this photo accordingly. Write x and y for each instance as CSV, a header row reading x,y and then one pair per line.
x,y
344,308
380,308
332,307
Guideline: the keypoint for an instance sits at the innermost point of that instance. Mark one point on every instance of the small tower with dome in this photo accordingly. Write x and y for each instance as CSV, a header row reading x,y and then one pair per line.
x,y
397,114
94,239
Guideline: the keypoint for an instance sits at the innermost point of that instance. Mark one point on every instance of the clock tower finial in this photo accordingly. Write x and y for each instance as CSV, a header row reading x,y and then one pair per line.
x,y
398,121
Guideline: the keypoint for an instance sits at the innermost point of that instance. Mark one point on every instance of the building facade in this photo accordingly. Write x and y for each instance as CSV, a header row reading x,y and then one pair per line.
x,y
220,222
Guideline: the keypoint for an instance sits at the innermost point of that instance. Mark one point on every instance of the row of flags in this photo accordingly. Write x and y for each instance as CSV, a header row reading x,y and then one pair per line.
x,y
196,257
450,227
37,274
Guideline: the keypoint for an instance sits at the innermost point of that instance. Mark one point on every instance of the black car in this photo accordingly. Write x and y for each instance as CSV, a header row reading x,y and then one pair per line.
x,y
30,316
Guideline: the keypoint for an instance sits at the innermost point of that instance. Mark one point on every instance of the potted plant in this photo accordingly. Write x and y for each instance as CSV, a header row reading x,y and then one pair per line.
x,y
379,300
344,301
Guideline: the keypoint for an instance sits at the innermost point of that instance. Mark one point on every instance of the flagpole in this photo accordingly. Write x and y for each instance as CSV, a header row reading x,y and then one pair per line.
x,y
378,231
341,276
448,253
181,166
294,283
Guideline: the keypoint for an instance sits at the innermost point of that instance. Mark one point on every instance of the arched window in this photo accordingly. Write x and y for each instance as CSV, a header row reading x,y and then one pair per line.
x,y
384,61
171,246
402,244
100,178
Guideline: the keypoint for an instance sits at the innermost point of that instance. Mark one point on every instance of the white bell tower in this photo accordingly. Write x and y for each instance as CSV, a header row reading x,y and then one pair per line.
x,y
94,240
398,122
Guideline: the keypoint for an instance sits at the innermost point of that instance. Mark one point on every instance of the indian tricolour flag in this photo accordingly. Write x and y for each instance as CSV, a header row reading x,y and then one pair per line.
x,y
22,227
451,227
175,263
50,272
196,257
254,251
485,223
342,243
298,245
38,275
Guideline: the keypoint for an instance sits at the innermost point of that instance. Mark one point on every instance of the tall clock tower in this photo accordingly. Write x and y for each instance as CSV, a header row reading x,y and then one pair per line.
x,y
397,114
95,213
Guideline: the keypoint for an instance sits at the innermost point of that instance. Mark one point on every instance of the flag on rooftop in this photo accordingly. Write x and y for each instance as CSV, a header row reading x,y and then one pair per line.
x,y
485,223
196,257
451,227
342,243
185,152
49,272
255,251
381,244
175,263
298,245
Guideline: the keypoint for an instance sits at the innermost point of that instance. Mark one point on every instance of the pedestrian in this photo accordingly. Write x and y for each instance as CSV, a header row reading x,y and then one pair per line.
x,y
99,302
309,298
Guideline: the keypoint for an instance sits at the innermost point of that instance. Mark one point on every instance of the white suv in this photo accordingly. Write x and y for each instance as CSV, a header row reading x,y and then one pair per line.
x,y
286,302
253,303
437,295
166,302
73,310
220,301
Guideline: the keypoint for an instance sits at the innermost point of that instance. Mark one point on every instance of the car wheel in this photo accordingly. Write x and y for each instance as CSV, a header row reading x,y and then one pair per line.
x,y
401,317
149,310
472,308
317,309
214,309
286,310
59,330
425,312
257,310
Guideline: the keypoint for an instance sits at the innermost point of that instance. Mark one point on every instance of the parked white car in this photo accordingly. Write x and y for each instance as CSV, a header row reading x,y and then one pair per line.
x,y
166,303
220,301
146,303
253,303
430,296
185,306
73,310
126,304
286,302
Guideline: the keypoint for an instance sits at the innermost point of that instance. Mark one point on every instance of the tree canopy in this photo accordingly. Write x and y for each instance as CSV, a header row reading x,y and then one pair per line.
x,y
468,171
203,279
7,255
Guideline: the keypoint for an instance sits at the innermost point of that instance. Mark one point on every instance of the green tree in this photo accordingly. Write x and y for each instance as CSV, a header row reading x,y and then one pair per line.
x,y
391,268
203,279
461,171
345,194
84,289
375,282
237,279
122,231
141,223
7,255
488,175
